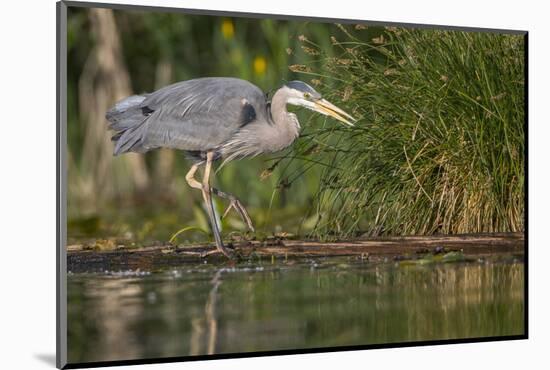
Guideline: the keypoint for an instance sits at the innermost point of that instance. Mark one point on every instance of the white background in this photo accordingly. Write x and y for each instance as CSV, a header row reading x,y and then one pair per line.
x,y
27,182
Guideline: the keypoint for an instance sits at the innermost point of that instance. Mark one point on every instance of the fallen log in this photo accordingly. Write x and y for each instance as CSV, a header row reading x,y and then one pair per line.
x,y
372,249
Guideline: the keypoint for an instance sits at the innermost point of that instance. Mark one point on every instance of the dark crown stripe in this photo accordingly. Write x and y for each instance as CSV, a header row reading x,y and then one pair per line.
x,y
300,86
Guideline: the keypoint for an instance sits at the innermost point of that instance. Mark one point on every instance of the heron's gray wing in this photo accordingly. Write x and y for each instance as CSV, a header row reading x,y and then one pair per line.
x,y
200,114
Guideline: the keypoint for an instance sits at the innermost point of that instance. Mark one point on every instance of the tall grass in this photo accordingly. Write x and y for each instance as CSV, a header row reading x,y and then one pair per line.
x,y
439,145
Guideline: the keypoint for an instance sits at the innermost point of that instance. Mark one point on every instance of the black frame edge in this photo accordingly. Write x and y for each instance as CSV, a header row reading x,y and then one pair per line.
x,y
151,361
61,203
526,184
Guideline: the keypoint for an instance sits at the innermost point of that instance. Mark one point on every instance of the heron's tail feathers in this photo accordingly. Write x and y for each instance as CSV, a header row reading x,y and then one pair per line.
x,y
126,118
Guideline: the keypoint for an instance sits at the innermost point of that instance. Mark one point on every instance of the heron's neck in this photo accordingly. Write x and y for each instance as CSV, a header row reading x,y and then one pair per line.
x,y
286,123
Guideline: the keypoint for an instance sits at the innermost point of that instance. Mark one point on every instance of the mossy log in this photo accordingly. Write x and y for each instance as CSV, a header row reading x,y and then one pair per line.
x,y
371,249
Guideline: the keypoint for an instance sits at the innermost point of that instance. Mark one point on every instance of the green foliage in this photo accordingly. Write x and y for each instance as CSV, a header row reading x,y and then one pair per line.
x,y
439,145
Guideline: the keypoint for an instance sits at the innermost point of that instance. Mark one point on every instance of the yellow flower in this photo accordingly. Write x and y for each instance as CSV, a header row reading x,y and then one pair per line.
x,y
260,65
228,30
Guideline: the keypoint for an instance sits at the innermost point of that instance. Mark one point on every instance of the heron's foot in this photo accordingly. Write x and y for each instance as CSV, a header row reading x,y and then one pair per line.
x,y
209,253
224,250
227,251
237,206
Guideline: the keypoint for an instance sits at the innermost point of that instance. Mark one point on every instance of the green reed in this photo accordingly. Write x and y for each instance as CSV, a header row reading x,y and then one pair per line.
x,y
439,142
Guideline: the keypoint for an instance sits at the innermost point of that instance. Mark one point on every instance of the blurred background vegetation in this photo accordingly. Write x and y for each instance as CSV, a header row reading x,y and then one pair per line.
x,y
439,145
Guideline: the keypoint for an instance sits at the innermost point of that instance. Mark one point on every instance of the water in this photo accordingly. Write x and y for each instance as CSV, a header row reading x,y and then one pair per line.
x,y
204,309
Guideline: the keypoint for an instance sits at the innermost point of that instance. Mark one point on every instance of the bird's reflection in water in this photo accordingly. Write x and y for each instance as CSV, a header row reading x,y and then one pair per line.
x,y
209,321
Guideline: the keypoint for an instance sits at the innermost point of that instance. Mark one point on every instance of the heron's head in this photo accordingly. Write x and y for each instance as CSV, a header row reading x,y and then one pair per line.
x,y
301,94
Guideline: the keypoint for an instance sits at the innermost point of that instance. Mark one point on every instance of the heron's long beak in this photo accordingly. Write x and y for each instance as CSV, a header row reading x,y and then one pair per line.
x,y
327,108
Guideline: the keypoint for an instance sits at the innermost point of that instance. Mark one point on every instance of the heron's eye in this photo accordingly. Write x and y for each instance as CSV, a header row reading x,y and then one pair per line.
x,y
307,95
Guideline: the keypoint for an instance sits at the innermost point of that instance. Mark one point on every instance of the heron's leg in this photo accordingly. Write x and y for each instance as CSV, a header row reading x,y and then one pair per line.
x,y
236,204
233,201
190,176
207,195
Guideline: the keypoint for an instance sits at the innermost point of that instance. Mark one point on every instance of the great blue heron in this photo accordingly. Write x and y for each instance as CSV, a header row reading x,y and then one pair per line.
x,y
211,119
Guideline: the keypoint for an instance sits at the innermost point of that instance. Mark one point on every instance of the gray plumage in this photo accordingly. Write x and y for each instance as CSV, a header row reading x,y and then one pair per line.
x,y
227,115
